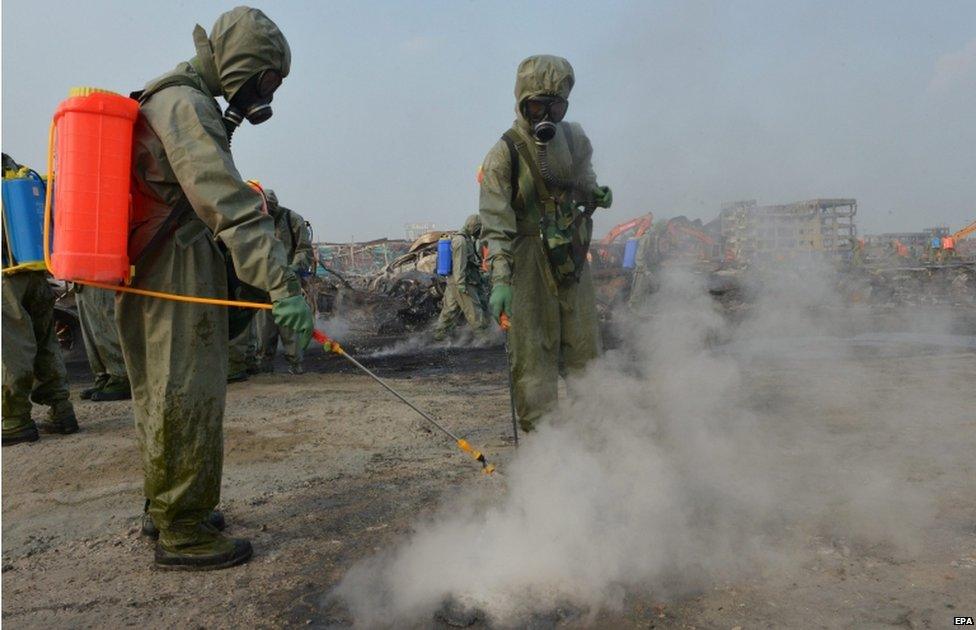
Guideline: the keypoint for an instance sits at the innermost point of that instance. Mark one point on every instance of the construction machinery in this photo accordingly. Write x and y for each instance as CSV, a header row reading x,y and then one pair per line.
x,y
639,225
947,249
608,252
963,233
685,237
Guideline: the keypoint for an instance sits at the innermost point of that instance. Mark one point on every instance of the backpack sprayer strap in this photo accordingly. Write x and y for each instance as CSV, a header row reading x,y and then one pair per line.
x,y
166,229
183,206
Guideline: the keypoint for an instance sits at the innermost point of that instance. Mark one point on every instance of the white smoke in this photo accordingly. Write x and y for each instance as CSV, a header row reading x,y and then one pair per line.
x,y
462,337
669,468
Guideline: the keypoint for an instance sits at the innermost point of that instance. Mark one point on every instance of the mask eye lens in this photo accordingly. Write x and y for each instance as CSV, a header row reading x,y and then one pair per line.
x,y
535,109
557,110
538,108
268,82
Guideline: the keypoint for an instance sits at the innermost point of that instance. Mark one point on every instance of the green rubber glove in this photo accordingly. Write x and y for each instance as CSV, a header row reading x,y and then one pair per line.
x,y
293,312
500,301
603,196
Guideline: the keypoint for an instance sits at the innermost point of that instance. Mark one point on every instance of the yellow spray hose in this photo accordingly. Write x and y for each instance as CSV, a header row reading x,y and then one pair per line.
x,y
319,336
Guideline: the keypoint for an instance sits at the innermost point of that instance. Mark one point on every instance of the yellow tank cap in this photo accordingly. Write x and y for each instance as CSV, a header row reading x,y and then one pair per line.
x,y
87,90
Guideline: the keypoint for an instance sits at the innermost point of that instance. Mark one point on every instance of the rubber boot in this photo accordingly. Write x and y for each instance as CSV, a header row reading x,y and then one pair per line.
x,y
237,377
17,430
199,547
115,389
61,419
100,382
149,527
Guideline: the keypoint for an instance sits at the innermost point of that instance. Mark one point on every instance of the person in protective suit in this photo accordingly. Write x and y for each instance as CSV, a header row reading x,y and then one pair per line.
x,y
462,295
646,262
292,230
190,206
96,313
242,360
538,192
33,368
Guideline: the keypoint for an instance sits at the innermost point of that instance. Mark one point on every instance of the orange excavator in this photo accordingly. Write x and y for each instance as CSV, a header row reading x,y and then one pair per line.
x,y
952,239
900,249
680,229
640,225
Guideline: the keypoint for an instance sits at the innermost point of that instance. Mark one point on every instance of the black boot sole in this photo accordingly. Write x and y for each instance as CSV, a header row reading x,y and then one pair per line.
x,y
241,553
56,429
27,436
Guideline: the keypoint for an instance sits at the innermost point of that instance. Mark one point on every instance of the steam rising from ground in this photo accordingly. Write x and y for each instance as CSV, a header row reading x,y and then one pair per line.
x,y
462,337
667,471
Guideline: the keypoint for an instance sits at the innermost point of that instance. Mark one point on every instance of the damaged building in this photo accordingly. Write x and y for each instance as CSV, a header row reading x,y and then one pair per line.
x,y
804,229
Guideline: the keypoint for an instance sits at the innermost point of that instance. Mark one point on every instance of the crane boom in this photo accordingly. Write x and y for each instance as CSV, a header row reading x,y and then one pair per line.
x,y
964,232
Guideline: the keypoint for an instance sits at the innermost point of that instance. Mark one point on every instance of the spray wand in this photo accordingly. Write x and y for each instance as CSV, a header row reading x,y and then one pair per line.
x,y
505,323
332,345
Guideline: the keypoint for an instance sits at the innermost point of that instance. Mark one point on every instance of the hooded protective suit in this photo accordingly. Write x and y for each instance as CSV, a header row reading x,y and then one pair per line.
x,y
463,295
290,229
96,312
176,352
554,326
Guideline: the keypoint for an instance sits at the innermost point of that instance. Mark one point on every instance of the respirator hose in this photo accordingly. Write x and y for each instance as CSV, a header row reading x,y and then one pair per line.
x,y
542,152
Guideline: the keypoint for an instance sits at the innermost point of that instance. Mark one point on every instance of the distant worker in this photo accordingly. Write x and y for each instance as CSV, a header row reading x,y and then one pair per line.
x,y
189,203
463,293
643,282
242,360
857,252
533,183
33,368
292,230
96,313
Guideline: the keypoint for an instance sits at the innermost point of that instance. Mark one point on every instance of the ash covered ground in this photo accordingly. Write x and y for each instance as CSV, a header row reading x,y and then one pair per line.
x,y
849,499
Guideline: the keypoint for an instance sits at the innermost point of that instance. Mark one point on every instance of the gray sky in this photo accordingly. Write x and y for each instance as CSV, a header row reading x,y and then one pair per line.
x,y
391,106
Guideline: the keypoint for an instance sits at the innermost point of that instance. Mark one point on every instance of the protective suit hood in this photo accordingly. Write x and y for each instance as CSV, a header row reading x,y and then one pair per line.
x,y
242,42
542,75
472,226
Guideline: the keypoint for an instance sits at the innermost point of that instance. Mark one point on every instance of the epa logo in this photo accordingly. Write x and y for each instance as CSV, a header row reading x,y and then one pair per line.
x,y
962,621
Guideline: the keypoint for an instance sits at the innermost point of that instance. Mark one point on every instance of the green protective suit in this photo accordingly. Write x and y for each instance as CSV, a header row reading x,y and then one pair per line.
x,y
243,350
33,369
463,295
176,352
291,230
96,311
554,326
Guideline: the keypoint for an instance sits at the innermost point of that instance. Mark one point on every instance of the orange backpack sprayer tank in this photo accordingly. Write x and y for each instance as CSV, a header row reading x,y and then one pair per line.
x,y
93,131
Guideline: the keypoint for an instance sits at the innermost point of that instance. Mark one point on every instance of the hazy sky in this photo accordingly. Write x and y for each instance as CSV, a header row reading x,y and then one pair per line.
x,y
391,106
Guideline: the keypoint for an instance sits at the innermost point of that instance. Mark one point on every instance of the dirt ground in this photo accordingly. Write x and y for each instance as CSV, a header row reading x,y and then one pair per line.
x,y
325,468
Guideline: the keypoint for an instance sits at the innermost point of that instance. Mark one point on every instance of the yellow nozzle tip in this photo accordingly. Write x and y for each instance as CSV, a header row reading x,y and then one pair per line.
x,y
88,90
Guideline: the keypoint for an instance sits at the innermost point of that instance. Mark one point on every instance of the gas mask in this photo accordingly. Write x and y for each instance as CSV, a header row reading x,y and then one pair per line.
x,y
252,101
543,112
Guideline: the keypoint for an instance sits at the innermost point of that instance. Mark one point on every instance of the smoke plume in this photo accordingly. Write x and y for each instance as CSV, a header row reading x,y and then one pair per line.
x,y
671,466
